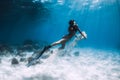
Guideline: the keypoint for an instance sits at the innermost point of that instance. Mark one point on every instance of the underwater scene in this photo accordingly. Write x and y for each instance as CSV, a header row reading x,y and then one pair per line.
x,y
60,40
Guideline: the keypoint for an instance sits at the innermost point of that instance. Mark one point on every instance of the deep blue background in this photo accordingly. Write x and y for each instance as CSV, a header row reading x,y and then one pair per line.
x,y
48,21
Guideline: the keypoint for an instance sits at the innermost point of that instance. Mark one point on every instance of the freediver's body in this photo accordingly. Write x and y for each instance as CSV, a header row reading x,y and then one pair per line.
x,y
72,29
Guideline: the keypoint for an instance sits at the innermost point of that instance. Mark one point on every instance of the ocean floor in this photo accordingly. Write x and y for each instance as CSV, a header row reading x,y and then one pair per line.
x,y
75,64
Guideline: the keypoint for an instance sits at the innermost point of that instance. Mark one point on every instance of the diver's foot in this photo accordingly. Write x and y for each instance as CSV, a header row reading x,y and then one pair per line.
x,y
47,47
61,48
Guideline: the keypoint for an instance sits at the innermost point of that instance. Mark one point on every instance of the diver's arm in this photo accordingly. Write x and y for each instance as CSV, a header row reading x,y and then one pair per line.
x,y
81,33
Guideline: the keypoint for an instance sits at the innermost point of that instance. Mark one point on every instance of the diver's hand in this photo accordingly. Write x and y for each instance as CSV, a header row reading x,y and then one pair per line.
x,y
84,35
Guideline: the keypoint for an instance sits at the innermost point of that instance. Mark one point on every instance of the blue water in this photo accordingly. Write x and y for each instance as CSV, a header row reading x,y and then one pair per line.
x,y
96,58
48,21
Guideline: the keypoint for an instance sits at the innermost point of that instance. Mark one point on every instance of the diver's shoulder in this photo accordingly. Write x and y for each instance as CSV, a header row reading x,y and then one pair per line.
x,y
76,25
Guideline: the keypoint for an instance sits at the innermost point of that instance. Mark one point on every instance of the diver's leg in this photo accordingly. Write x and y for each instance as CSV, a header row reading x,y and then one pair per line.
x,y
63,46
49,46
58,42
62,41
